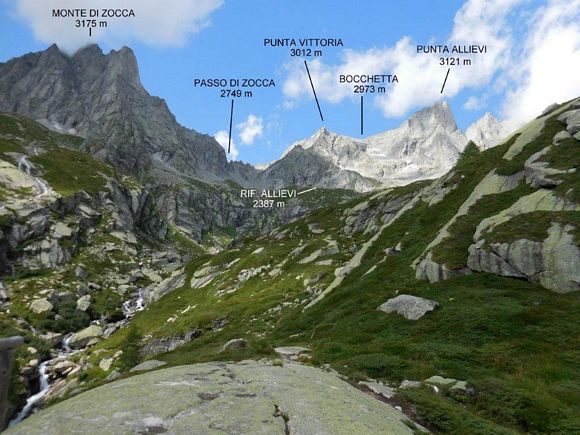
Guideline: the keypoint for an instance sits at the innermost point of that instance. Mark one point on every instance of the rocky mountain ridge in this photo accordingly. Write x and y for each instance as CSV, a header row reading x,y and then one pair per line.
x,y
425,146
99,278
490,250
100,97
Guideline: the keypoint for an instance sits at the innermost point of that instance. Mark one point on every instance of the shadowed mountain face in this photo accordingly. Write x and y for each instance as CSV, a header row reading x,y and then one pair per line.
x,y
100,97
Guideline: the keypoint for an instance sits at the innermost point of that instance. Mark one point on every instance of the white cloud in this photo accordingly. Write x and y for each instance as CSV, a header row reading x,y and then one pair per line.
x,y
222,137
166,23
420,76
473,103
549,67
250,129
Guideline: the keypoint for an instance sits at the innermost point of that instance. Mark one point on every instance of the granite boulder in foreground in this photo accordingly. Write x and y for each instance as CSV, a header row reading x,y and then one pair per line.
x,y
226,398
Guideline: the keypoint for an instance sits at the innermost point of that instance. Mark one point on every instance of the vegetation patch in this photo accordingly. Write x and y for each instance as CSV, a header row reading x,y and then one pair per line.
x,y
533,226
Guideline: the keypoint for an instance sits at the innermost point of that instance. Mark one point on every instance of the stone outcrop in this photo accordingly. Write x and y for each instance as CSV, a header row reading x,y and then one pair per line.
x,y
161,345
247,397
410,307
82,338
554,262
539,174
234,345
176,280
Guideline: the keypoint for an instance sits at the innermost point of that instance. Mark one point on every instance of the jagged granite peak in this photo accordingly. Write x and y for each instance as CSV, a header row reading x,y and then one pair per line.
x,y
424,146
100,97
487,131
431,117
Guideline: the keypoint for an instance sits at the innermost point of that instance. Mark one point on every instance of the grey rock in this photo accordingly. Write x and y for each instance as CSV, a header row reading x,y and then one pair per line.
x,y
204,271
572,120
379,388
409,384
427,269
81,271
247,397
234,344
549,109
65,296
148,365
62,230
202,281
4,295
410,307
561,136
554,263
84,337
462,388
53,338
84,302
291,352
539,174
439,380
167,344
39,306
176,280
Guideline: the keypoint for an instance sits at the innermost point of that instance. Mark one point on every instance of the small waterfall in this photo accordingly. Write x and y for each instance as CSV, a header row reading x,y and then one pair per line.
x,y
132,306
41,186
65,344
32,401
140,303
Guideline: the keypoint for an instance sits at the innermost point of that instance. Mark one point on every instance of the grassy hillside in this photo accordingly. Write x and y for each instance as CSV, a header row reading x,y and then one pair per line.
x,y
317,282
514,342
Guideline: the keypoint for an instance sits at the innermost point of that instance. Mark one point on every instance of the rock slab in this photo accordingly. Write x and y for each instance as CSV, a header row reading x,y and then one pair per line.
x,y
234,398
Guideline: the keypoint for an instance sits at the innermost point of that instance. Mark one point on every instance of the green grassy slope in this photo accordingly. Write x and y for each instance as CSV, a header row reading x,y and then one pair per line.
x,y
514,342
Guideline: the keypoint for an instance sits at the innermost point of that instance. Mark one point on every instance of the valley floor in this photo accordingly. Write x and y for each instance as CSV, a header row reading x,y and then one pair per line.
x,y
454,299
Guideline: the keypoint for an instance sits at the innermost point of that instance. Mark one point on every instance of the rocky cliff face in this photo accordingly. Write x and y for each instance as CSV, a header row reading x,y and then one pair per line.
x,y
306,167
487,131
522,217
425,146
100,97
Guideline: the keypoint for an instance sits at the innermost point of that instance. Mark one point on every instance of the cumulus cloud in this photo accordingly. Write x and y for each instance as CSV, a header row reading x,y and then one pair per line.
x,y
420,75
473,103
168,23
222,137
549,67
250,129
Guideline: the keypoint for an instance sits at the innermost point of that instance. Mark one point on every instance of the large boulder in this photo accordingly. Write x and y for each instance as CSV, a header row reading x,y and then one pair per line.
x,y
554,262
234,344
39,306
572,121
84,302
82,338
176,280
233,398
410,307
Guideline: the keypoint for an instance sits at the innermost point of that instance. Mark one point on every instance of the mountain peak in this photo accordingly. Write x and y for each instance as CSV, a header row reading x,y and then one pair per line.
x,y
91,49
429,118
487,131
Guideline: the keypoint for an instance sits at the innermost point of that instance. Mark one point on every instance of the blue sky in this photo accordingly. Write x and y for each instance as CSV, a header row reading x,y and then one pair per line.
x,y
215,39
